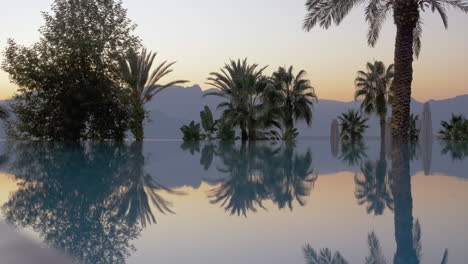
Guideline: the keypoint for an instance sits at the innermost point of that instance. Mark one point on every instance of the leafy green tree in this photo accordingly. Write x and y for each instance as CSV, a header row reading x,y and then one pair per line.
x,y
143,84
454,129
242,85
70,79
292,97
209,124
408,21
353,126
373,88
191,132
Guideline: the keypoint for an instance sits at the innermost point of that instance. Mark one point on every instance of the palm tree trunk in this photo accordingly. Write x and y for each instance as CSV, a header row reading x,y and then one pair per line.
x,y
244,135
403,203
382,137
252,135
138,118
406,16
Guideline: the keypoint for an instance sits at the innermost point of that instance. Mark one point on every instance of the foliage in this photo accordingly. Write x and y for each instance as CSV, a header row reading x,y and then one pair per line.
x,y
210,126
225,131
143,84
288,135
413,132
255,102
242,86
353,126
454,129
70,79
324,13
373,87
191,131
325,256
290,97
4,114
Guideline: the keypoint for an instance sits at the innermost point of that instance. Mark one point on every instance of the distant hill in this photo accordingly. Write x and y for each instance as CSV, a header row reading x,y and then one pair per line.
x,y
177,106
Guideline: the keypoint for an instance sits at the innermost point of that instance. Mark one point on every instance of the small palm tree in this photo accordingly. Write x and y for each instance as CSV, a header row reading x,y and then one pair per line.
x,y
143,84
408,21
455,129
373,87
353,126
293,97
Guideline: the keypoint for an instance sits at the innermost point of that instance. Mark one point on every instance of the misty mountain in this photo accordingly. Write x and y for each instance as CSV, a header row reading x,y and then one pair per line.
x,y
178,106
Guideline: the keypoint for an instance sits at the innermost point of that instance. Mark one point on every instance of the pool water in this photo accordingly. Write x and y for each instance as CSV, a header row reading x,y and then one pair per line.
x,y
266,202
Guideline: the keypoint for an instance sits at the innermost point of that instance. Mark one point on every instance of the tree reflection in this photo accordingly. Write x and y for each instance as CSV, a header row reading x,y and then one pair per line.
x,y
372,187
352,153
88,199
456,150
407,232
258,172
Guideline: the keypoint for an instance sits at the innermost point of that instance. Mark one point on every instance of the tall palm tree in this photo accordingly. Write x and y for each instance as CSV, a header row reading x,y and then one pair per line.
x,y
241,84
293,96
373,87
406,16
143,84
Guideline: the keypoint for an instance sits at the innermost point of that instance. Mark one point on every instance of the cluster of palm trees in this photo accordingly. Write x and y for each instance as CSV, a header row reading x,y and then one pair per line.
x,y
373,89
256,173
255,102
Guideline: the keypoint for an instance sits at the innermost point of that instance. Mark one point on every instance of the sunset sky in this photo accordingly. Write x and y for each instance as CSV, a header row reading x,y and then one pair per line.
x,y
202,35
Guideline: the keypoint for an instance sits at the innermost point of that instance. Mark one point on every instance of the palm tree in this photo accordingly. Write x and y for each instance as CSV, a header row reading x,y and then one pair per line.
x,y
241,84
143,84
353,126
406,16
455,129
292,96
373,87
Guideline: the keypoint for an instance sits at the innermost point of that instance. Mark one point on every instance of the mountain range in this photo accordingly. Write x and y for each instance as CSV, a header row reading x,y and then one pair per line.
x,y
178,106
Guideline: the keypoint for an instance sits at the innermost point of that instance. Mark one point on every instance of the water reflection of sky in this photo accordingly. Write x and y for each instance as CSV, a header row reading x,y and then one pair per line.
x,y
285,197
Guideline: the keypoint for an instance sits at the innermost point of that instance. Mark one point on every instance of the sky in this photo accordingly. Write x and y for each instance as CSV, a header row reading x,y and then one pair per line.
x,y
202,35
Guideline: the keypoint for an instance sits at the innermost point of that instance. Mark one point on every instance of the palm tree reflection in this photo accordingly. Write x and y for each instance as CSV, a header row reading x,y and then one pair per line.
x,y
258,172
456,150
88,199
353,153
372,189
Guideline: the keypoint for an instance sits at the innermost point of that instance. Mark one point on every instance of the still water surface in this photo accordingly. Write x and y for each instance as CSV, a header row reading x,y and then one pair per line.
x,y
173,202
